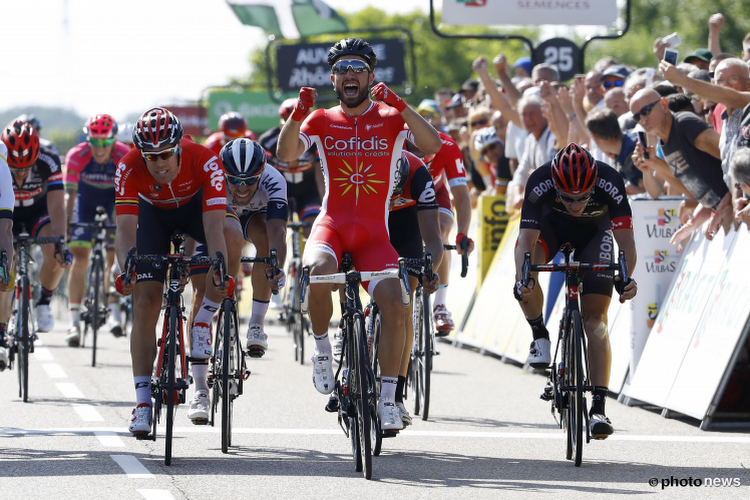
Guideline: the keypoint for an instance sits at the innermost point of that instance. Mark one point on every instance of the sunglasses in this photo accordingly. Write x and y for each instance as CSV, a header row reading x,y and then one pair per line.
x,y
570,199
615,83
344,65
164,155
101,143
483,121
645,110
428,116
243,181
489,148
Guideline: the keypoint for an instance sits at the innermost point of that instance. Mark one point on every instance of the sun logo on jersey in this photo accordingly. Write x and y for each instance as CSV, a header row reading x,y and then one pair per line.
x,y
357,177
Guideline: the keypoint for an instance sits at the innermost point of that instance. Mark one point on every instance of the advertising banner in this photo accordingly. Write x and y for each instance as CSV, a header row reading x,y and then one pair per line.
x,y
461,291
492,219
306,65
529,12
194,119
259,110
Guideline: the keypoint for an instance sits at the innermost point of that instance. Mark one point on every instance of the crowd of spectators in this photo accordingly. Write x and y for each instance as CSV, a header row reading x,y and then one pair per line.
x,y
678,130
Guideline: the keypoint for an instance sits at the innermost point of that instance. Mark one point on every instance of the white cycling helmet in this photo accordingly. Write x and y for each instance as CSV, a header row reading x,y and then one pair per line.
x,y
484,137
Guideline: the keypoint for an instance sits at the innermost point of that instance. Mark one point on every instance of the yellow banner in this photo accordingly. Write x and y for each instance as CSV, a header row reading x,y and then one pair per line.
x,y
492,222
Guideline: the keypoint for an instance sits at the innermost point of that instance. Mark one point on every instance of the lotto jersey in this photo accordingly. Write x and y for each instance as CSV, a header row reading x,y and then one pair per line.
x,y
80,167
271,195
199,170
419,189
45,175
448,160
358,155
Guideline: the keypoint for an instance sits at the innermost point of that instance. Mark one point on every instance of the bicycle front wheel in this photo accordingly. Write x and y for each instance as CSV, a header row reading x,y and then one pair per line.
x,y
300,322
95,303
376,327
362,394
24,341
228,375
426,347
171,385
576,407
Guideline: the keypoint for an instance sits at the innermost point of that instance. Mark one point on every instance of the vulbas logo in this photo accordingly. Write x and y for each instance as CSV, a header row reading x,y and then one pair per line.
x,y
666,224
662,262
652,311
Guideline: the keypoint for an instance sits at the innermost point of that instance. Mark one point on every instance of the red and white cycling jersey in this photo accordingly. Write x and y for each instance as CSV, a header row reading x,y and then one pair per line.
x,y
199,169
448,160
358,155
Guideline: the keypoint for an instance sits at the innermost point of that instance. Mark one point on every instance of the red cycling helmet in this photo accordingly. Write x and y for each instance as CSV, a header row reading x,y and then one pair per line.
x,y
574,170
23,144
100,127
287,107
233,125
156,128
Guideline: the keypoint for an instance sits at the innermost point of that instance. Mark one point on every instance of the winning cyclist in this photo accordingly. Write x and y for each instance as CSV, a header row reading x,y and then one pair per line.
x,y
257,195
90,183
39,209
232,125
359,143
7,200
167,184
578,200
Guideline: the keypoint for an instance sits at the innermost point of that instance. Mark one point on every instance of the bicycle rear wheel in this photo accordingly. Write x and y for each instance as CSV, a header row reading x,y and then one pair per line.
x,y
575,379
361,395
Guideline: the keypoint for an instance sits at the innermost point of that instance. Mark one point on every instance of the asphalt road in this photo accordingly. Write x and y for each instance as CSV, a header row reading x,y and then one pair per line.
x,y
488,436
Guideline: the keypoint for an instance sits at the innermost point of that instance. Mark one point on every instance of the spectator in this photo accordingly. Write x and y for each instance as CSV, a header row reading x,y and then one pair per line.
x,y
469,89
443,97
430,111
614,99
545,72
605,62
491,148
691,149
455,108
522,67
680,102
746,48
699,57
613,77
739,168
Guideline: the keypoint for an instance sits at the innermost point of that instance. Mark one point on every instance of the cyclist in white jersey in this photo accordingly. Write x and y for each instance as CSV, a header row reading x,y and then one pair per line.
x,y
7,200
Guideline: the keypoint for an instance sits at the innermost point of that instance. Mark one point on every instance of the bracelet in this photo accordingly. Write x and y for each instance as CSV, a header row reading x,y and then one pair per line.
x,y
572,117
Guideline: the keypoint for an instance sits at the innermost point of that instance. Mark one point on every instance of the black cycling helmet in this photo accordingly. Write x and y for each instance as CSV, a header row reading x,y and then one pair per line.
x,y
402,175
31,120
243,158
574,170
352,47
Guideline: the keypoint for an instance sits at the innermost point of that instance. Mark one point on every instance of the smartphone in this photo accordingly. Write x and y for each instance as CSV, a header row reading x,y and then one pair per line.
x,y
580,76
644,145
670,55
672,40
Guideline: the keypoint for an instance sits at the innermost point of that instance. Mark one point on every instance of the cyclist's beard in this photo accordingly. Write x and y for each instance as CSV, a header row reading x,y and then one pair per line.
x,y
354,101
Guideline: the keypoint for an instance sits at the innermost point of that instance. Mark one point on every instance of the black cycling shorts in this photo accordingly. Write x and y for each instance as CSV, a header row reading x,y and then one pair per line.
x,y
304,198
593,242
32,219
403,227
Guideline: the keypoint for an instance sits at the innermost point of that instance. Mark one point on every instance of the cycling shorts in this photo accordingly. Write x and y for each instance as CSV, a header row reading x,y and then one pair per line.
x,y
403,225
305,200
368,245
84,210
443,198
32,219
593,242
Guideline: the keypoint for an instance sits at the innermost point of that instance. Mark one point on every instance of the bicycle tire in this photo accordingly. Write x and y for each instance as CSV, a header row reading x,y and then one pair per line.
x,y
25,339
415,360
300,322
171,382
347,395
376,329
94,312
364,420
426,349
227,376
215,369
578,407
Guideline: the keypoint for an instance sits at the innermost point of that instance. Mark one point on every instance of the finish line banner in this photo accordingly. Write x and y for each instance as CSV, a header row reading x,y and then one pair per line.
x,y
530,12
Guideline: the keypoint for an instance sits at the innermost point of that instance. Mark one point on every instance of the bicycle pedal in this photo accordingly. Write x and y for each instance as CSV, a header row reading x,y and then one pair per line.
x,y
333,405
144,437
390,433
255,352
200,421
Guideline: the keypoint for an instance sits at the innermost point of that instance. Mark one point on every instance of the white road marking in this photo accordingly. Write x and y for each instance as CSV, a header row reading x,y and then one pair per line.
x,y
132,467
111,439
156,494
42,353
70,390
54,370
88,413
408,433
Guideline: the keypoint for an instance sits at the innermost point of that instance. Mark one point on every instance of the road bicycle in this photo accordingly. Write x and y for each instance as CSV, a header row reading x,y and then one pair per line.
x,y
94,310
296,323
22,324
170,380
568,377
355,395
228,370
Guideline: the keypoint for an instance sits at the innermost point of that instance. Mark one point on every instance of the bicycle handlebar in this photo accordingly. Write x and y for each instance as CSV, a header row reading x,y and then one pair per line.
x,y
528,267
272,260
200,260
298,225
425,264
464,256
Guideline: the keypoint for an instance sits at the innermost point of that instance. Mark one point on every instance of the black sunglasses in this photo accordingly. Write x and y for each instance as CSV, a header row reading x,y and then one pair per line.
x,y
645,110
578,199
344,65
477,123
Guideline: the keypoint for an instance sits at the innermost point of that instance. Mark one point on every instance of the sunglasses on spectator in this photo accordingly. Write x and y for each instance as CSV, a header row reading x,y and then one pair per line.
x,y
483,121
614,83
243,181
163,155
577,199
101,143
489,148
344,65
645,110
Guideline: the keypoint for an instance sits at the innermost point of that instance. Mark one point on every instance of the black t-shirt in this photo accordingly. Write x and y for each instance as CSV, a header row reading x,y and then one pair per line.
x,y
608,200
699,171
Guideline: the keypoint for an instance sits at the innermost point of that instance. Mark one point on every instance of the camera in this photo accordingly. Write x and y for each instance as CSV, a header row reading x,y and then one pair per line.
x,y
670,55
642,140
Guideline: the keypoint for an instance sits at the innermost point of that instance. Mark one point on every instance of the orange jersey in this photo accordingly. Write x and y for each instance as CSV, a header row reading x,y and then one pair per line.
x,y
199,169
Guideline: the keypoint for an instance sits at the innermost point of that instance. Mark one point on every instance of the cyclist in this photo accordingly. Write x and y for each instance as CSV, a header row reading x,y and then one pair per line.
x,y
37,125
167,184
360,143
414,219
7,200
257,195
303,176
39,209
575,199
447,167
90,183
232,125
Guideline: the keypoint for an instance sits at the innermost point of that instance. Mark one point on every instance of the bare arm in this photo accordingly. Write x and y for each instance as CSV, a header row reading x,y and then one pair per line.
x,y
125,237
6,237
560,120
426,137
429,227
527,239
56,207
462,201
715,23
717,93
213,227
500,64
70,203
498,99
276,229
290,146
626,243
